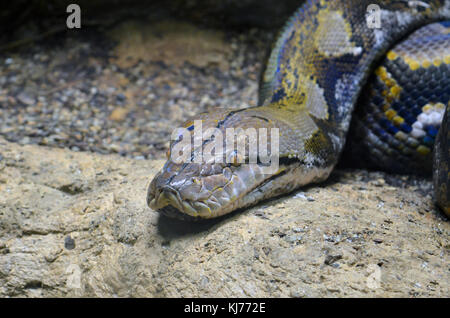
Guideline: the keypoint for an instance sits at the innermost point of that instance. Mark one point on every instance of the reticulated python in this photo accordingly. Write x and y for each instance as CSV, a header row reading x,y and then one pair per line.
x,y
313,79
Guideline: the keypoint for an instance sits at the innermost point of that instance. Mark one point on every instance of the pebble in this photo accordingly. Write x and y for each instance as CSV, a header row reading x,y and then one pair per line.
x,y
69,243
330,259
26,99
302,195
293,238
298,230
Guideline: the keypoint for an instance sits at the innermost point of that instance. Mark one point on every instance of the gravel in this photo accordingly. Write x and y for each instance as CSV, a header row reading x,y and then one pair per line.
x,y
75,94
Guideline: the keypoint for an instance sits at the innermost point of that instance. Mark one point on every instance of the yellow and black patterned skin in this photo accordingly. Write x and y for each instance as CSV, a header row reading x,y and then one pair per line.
x,y
400,111
312,82
441,173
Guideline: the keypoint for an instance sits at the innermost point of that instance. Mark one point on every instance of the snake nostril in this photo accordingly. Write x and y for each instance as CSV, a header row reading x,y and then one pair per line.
x,y
166,196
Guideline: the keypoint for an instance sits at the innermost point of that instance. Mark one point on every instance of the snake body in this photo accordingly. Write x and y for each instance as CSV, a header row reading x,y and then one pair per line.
x,y
327,60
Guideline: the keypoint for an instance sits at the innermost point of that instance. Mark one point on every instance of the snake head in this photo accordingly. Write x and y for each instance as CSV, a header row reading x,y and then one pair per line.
x,y
203,178
226,160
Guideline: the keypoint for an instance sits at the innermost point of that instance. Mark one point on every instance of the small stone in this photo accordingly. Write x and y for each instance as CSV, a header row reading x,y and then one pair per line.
x,y
118,114
330,259
261,214
300,195
69,243
293,238
121,97
114,148
26,99
298,230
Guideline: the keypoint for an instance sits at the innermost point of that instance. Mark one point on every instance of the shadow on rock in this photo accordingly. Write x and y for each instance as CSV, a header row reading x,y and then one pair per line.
x,y
170,228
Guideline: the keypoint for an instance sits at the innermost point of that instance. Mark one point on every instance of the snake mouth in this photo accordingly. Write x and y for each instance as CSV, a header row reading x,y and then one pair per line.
x,y
169,202
203,196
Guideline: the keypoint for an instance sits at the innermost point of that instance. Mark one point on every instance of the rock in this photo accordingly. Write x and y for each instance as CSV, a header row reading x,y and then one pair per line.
x,y
175,43
69,243
102,240
119,114
331,259
26,98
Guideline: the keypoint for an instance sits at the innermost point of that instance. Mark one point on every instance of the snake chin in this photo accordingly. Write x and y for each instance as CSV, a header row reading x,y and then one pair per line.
x,y
188,196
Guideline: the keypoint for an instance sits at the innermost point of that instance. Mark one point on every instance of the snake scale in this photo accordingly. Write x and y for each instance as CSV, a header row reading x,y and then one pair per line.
x,y
331,74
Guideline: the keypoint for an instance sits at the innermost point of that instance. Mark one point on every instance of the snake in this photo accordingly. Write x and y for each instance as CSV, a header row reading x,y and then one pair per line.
x,y
367,76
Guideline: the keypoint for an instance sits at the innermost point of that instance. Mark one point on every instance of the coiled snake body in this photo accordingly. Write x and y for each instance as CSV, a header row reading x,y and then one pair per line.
x,y
313,79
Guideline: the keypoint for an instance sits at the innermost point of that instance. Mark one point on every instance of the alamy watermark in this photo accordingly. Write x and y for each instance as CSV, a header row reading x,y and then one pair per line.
x,y
373,12
238,147
373,16
73,21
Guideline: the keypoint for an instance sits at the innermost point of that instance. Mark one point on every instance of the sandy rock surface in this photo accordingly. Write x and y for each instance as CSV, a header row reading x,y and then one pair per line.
x,y
88,116
77,224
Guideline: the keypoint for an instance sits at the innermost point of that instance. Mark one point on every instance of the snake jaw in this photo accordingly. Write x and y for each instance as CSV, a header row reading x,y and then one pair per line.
x,y
183,195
